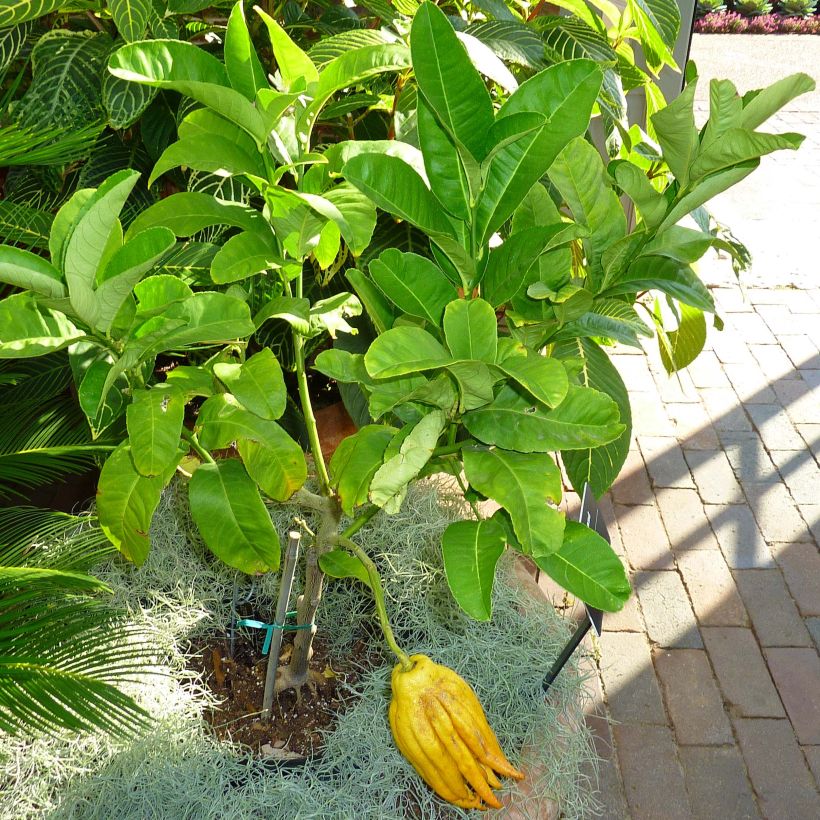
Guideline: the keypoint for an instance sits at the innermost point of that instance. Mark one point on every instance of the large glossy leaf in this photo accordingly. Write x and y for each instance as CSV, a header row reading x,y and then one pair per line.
x,y
26,270
243,255
759,105
295,311
450,85
154,420
26,330
189,212
587,567
355,462
585,418
126,502
475,383
413,283
12,39
341,564
658,24
184,67
471,329
125,102
677,134
522,483
295,67
636,185
390,482
396,188
404,350
18,11
667,275
272,458
597,466
686,342
564,94
130,17
232,519
580,177
245,72
257,383
358,216
471,550
543,377
736,146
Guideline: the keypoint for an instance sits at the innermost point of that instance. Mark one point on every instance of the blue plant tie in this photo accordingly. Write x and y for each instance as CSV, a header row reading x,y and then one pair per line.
x,y
270,627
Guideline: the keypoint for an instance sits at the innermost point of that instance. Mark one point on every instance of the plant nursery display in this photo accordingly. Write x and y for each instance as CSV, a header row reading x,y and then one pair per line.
x,y
255,209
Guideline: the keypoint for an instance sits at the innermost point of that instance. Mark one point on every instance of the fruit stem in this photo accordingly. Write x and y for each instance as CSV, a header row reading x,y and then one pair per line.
x,y
378,594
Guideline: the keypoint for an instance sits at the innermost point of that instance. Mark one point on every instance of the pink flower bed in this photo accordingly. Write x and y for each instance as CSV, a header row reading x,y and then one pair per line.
x,y
730,22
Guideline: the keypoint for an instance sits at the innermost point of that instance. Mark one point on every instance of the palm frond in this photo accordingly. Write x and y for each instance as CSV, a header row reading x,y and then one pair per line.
x,y
32,381
53,146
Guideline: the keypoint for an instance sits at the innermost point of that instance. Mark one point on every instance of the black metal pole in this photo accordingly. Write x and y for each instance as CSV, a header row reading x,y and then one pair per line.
x,y
572,645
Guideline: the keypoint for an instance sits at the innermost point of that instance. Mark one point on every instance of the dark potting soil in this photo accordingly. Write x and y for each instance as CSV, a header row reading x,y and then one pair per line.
x,y
295,728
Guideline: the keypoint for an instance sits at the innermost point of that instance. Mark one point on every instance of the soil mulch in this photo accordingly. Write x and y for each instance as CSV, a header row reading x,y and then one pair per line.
x,y
295,729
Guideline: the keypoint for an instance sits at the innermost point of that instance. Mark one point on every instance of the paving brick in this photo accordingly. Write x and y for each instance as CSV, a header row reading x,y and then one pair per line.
x,y
813,625
653,779
644,538
692,697
811,375
632,690
706,371
724,409
714,478
732,300
712,589
750,383
751,328
778,318
800,349
812,754
773,361
799,400
741,672
634,370
629,619
801,568
717,783
748,457
632,485
664,462
649,415
692,426
796,673
685,520
774,615
739,537
778,771
731,349
801,474
776,430
675,387
776,513
670,621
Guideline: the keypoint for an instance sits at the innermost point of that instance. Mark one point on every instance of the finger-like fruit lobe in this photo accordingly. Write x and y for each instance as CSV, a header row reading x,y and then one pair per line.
x,y
440,727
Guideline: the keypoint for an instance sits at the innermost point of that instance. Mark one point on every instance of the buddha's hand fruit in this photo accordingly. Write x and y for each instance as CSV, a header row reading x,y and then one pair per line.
x,y
440,727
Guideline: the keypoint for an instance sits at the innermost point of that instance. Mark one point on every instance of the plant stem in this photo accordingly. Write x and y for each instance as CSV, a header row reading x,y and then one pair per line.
x,y
196,446
360,521
378,594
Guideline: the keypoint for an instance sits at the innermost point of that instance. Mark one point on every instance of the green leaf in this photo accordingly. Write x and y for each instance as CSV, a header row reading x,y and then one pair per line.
x,y
471,550
125,102
126,502
154,420
12,39
475,383
155,293
257,383
24,269
129,263
677,134
636,185
685,343
27,331
760,105
391,479
667,275
341,564
295,67
331,314
658,24
737,146
404,350
232,518
597,466
587,567
564,94
471,329
355,462
21,224
544,377
396,188
244,69
521,483
610,319
579,175
130,17
379,309
585,418
209,152
413,283
191,381
295,311
190,70
272,458
20,11
447,80
243,255
342,366
358,216
189,212
101,411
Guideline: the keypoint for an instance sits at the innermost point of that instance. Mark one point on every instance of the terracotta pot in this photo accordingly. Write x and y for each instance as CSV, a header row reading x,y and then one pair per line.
x,y
334,425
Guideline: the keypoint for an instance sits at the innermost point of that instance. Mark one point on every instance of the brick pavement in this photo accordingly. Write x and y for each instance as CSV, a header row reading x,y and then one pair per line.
x,y
711,676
